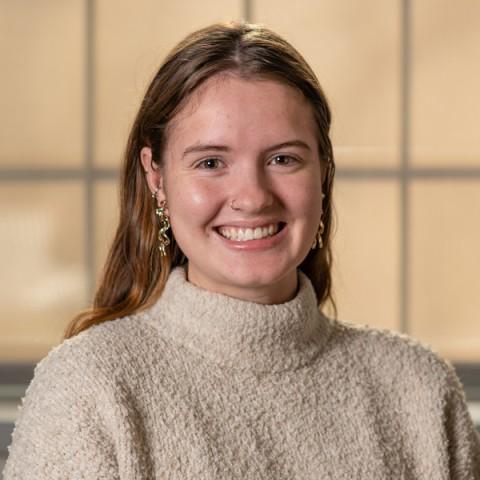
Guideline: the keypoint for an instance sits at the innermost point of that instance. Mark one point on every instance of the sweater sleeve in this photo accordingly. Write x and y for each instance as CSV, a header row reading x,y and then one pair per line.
x,y
59,432
463,438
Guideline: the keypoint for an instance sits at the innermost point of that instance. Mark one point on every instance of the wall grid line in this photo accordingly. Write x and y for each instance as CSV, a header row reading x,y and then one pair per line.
x,y
404,298
89,146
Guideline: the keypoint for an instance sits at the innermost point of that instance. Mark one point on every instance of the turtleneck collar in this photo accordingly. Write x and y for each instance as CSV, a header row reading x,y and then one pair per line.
x,y
241,334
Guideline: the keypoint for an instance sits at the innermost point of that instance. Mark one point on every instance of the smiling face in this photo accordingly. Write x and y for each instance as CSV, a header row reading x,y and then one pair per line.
x,y
250,145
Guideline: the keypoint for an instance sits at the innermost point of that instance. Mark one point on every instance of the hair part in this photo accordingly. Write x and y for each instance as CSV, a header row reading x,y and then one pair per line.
x,y
134,273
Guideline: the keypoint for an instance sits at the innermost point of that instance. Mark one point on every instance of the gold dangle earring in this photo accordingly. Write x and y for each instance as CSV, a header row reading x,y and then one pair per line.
x,y
163,240
318,236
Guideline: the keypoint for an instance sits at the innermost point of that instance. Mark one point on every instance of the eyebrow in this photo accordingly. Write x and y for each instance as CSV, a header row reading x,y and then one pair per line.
x,y
203,147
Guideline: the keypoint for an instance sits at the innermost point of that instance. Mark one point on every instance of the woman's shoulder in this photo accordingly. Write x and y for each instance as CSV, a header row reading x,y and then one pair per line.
x,y
100,349
86,367
394,355
70,402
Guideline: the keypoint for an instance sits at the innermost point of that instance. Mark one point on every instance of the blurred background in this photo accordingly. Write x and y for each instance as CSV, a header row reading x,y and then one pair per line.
x,y
402,77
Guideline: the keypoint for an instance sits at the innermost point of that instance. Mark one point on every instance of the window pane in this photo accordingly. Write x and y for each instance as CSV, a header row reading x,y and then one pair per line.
x,y
42,279
445,233
366,252
130,47
42,83
354,48
445,83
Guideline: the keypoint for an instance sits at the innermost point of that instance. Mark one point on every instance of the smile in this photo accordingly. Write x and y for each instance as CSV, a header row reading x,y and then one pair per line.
x,y
246,234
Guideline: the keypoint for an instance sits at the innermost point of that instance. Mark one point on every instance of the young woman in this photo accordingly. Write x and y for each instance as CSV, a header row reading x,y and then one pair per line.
x,y
207,355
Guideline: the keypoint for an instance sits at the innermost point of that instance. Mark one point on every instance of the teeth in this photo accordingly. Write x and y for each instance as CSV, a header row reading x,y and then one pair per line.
x,y
245,234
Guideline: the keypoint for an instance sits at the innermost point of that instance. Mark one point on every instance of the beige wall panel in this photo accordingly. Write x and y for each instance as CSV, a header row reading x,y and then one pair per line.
x,y
366,252
42,279
42,83
132,40
445,254
445,80
354,48
106,219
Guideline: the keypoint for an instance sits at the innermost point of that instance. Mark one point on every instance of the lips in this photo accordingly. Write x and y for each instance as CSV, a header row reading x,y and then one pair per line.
x,y
243,233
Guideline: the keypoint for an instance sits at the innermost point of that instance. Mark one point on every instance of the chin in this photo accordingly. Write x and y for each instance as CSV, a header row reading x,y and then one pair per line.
x,y
258,276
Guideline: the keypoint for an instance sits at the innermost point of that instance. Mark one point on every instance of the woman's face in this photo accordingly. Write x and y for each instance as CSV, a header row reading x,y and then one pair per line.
x,y
252,143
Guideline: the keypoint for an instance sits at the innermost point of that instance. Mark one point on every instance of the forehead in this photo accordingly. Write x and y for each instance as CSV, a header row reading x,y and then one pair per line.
x,y
232,108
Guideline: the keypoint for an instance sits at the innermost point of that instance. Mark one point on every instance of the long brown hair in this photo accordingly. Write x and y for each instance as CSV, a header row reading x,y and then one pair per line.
x,y
134,273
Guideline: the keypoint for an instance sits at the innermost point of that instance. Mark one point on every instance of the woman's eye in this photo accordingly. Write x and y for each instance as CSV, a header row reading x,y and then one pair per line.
x,y
283,160
209,164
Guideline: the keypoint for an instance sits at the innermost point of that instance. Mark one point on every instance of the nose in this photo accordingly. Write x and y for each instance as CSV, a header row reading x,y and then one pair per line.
x,y
251,191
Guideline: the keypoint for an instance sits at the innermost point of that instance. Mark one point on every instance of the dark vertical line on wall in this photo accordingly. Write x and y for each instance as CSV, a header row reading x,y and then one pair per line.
x,y
89,141
404,167
247,10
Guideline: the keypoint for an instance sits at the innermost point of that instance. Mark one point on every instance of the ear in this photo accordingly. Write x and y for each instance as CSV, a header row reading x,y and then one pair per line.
x,y
153,175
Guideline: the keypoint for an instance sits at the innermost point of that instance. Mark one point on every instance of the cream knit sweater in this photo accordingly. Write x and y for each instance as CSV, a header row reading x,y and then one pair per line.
x,y
205,386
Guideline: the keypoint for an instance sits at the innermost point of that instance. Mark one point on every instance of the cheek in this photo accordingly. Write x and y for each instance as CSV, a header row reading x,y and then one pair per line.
x,y
193,203
305,199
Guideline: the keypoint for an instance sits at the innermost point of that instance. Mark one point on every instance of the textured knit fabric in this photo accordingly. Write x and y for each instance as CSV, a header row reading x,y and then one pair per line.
x,y
207,387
